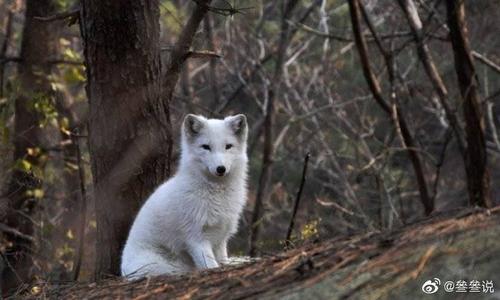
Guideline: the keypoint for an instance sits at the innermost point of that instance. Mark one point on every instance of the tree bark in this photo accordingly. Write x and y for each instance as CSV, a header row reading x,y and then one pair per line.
x,y
3,49
478,181
212,72
129,130
38,44
396,115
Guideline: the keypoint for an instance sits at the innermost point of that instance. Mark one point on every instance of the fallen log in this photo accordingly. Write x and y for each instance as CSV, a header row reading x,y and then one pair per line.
x,y
462,245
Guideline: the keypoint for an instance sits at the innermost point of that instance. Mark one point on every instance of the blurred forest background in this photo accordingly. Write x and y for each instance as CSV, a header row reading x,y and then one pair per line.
x,y
92,94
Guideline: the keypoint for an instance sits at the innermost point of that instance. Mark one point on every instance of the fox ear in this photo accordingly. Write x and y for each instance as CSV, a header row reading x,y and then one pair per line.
x,y
239,125
192,125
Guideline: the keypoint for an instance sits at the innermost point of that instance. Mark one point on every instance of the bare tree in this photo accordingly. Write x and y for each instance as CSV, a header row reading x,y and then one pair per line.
x,y
268,150
393,110
478,180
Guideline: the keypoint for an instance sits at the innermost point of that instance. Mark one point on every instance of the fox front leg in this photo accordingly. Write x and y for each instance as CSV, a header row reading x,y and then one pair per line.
x,y
220,252
202,254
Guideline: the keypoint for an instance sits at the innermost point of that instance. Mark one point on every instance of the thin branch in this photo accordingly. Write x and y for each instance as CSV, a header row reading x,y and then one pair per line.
x,y
181,50
492,96
18,59
7,59
491,123
347,39
321,34
485,60
440,162
65,62
256,66
224,11
482,58
72,16
83,212
242,85
10,266
372,81
196,54
297,201
16,233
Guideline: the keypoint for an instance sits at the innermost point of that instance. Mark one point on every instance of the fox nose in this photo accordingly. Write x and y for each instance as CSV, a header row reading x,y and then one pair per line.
x,y
221,170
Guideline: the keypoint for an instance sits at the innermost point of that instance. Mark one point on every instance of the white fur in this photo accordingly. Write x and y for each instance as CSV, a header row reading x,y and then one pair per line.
x,y
186,223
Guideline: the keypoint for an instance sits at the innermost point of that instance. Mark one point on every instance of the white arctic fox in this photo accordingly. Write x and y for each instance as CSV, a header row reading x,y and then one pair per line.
x,y
186,223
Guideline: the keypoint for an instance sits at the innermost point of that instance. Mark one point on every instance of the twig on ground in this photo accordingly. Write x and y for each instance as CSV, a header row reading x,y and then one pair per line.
x,y
423,261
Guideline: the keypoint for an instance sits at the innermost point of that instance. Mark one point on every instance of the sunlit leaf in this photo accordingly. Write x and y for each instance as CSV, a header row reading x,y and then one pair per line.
x,y
38,193
23,165
72,166
74,75
33,151
64,42
69,234
35,290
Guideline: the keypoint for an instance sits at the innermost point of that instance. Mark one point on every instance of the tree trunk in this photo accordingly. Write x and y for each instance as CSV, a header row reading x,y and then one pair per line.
x,y
3,49
129,130
212,72
38,44
478,180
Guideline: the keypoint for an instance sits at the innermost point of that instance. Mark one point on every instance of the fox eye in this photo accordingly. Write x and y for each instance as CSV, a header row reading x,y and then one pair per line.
x,y
206,147
229,146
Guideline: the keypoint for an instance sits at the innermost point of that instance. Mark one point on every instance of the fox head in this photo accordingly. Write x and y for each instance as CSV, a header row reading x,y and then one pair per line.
x,y
215,147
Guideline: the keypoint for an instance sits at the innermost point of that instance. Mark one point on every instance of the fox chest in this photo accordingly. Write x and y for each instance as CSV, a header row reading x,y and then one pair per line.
x,y
218,222
217,231
220,214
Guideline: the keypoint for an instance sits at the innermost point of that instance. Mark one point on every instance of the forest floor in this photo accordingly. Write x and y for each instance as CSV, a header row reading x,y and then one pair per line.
x,y
460,245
